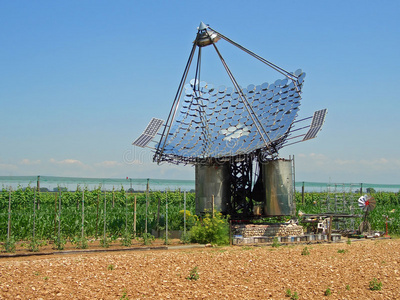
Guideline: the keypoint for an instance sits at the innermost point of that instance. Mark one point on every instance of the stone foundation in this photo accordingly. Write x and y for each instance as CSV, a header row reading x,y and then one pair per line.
x,y
270,230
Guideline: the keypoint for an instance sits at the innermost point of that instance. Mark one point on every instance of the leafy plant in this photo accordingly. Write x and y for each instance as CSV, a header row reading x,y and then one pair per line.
x,y
105,242
81,243
9,245
375,285
347,287
193,275
328,292
126,239
305,251
34,245
348,242
275,243
293,296
148,238
110,267
59,242
342,250
185,238
214,230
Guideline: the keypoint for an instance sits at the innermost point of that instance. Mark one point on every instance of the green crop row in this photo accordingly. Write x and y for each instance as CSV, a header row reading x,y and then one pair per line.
x,y
47,213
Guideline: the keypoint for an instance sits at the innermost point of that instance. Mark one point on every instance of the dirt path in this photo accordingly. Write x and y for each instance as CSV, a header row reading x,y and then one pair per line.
x,y
224,273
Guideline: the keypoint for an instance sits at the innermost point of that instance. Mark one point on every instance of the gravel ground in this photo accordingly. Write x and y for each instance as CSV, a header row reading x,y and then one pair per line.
x,y
224,273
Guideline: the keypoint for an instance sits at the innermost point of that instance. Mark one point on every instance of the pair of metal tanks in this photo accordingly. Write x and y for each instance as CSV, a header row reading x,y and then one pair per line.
x,y
213,184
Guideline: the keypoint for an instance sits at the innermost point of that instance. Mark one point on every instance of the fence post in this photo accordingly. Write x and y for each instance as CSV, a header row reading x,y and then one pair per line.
x,y
38,190
59,217
184,214
302,193
9,216
166,217
134,218
34,214
147,201
83,214
105,217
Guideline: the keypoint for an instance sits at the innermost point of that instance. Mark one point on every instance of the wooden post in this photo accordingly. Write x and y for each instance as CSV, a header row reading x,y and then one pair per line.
x,y
55,213
184,214
97,214
166,218
147,201
38,190
105,217
83,214
113,197
59,217
34,214
302,193
9,216
134,218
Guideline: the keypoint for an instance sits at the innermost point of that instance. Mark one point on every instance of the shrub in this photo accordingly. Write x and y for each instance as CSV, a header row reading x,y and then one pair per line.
x,y
276,243
375,285
193,275
305,251
210,230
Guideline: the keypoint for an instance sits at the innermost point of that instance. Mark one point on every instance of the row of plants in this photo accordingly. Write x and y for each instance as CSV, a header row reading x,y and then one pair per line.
x,y
68,212
98,213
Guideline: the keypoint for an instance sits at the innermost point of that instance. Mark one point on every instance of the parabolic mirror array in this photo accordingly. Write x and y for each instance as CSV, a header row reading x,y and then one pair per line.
x,y
223,131
214,122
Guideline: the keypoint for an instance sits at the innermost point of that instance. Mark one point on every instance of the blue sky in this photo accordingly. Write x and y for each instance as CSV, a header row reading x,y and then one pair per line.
x,y
80,80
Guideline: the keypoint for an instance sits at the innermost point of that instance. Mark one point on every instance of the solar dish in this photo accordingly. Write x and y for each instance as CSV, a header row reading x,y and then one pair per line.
x,y
232,133
222,126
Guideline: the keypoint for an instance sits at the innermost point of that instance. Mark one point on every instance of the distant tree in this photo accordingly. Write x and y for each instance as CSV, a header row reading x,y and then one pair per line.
x,y
130,190
371,191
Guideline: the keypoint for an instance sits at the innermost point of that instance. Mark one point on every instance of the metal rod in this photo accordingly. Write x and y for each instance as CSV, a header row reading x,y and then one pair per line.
x,y
9,216
134,218
83,214
59,216
174,107
270,64
247,105
166,217
184,214
147,201
34,214
105,217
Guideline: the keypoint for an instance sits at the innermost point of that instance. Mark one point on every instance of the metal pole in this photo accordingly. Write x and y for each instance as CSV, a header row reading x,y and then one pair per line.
x,y
184,214
38,190
166,217
59,217
83,214
126,212
134,218
34,214
147,201
9,216
104,225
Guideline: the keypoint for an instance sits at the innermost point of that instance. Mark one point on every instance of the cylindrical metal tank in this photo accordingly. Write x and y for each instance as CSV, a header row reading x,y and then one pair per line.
x,y
212,180
278,185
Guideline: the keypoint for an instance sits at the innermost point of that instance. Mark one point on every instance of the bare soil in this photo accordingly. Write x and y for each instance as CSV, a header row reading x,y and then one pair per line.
x,y
224,273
